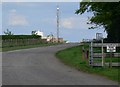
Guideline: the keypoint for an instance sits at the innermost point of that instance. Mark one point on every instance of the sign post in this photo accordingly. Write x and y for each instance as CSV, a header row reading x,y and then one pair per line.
x,y
111,48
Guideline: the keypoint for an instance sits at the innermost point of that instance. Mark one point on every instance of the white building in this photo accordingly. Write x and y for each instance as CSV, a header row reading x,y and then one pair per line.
x,y
49,38
38,33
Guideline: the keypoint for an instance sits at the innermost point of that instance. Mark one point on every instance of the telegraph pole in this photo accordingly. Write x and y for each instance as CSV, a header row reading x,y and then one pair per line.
x,y
57,23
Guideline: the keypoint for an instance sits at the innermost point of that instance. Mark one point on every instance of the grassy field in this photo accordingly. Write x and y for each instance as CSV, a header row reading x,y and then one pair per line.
x,y
26,46
73,57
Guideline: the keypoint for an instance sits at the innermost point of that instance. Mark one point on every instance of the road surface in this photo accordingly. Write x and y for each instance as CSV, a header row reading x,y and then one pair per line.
x,y
39,66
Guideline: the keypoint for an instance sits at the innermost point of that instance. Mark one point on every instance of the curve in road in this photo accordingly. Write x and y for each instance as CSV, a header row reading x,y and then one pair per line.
x,y
39,66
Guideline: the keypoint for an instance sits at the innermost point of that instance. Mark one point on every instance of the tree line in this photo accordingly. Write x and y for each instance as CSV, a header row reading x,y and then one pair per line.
x,y
105,14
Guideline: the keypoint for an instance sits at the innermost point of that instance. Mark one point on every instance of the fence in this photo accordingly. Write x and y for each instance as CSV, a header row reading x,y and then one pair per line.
x,y
99,56
20,42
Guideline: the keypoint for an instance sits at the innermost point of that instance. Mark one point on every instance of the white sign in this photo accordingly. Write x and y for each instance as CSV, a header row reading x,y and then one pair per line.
x,y
111,48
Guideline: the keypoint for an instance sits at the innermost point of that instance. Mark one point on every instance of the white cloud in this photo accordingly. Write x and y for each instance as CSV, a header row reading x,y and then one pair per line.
x,y
13,11
67,23
79,22
16,19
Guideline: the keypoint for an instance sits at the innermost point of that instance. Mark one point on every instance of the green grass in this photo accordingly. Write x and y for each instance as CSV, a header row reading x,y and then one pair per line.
x,y
107,60
73,57
26,46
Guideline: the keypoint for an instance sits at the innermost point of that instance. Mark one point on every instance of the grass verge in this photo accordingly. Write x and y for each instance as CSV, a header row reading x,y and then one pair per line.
x,y
26,46
73,57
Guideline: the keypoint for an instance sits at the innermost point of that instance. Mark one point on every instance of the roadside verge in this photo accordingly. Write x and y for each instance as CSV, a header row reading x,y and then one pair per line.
x,y
73,57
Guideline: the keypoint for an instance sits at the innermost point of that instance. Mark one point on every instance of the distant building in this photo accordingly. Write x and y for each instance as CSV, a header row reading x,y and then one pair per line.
x,y
37,33
99,36
49,38
53,39
61,40
86,40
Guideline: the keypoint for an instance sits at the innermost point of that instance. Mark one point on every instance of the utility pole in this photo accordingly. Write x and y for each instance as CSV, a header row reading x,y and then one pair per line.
x,y
57,23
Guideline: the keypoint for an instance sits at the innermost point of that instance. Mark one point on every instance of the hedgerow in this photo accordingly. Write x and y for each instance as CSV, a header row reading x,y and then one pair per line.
x,y
19,37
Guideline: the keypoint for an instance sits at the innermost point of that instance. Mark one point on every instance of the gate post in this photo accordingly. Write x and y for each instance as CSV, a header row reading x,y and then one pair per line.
x,y
103,62
91,54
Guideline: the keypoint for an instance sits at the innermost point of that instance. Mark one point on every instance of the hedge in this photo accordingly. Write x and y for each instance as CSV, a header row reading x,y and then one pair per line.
x,y
19,37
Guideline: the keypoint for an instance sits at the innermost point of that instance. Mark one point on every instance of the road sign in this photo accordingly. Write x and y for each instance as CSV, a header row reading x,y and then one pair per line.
x,y
111,48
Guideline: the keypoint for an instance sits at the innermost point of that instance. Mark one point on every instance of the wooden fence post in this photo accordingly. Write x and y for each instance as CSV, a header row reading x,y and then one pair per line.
x,y
87,55
103,62
83,53
110,64
91,54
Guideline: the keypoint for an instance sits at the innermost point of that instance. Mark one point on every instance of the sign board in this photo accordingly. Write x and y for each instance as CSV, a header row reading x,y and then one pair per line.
x,y
111,48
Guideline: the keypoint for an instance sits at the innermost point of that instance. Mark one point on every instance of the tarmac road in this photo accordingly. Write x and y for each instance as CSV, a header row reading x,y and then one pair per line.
x,y
39,66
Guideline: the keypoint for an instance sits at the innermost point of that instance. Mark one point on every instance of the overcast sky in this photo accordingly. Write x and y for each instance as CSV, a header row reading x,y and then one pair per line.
x,y
24,17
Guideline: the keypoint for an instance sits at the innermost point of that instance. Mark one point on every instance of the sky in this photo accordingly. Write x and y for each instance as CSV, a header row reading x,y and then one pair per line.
x,y
24,17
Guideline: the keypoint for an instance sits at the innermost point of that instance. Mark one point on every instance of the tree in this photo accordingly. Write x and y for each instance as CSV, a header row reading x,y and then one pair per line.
x,y
8,32
33,32
104,14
